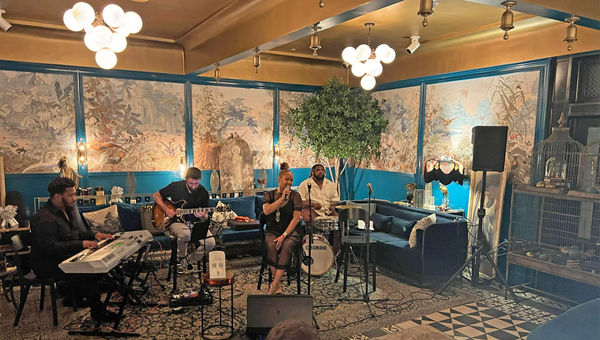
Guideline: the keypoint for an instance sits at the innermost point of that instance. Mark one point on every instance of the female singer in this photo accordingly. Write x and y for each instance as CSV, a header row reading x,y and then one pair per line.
x,y
282,208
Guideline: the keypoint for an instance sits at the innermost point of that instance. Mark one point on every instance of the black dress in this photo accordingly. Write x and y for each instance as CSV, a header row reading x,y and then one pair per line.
x,y
281,258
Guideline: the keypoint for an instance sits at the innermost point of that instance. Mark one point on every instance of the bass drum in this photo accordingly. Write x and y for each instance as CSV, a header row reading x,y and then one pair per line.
x,y
322,255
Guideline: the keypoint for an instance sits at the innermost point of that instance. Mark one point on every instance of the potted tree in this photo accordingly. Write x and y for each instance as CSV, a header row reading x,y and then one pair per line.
x,y
341,124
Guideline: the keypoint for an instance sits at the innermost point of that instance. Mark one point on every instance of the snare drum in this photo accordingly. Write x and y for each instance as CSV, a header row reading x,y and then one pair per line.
x,y
322,255
326,223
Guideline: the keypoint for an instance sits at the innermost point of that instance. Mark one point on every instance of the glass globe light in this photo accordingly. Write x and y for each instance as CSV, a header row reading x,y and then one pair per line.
x,y
373,66
133,22
385,53
118,43
83,13
367,82
90,43
363,52
358,69
113,15
70,21
106,58
349,55
101,35
388,56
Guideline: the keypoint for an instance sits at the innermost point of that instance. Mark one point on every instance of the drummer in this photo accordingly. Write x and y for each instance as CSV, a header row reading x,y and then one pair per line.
x,y
323,194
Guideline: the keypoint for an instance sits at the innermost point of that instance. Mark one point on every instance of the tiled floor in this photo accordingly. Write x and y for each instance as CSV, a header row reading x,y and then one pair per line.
x,y
474,321
492,317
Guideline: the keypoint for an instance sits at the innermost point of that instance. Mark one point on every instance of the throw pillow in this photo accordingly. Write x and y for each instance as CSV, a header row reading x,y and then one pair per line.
x,y
421,224
104,220
146,219
401,227
381,222
129,216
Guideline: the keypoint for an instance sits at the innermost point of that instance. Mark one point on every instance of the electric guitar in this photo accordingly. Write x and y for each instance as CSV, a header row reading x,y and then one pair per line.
x,y
160,220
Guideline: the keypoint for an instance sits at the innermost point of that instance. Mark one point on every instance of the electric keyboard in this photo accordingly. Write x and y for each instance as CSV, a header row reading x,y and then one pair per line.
x,y
108,254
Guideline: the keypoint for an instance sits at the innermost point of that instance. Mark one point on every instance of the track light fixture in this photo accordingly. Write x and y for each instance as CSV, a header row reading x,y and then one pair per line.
x,y
425,9
571,32
217,72
506,22
413,45
321,3
4,25
256,59
315,40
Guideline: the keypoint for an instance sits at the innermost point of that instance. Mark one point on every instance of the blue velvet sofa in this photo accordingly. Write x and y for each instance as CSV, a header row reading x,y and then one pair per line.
x,y
440,249
130,216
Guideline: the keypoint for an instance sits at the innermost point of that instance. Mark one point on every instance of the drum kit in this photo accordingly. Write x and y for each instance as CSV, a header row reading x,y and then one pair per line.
x,y
323,253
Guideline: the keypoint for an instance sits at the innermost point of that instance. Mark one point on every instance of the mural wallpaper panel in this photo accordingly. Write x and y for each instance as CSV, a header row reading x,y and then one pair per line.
x,y
290,149
37,111
453,108
222,112
134,125
399,141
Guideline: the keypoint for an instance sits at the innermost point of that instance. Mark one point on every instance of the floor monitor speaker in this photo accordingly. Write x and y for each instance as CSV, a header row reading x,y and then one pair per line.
x,y
264,311
489,148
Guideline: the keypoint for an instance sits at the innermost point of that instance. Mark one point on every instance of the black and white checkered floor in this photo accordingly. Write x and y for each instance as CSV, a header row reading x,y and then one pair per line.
x,y
492,317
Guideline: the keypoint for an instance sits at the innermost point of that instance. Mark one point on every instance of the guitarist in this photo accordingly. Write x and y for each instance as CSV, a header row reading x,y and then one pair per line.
x,y
191,194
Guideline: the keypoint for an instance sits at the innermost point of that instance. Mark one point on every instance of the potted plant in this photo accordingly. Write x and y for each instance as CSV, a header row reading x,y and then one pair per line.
x,y
341,124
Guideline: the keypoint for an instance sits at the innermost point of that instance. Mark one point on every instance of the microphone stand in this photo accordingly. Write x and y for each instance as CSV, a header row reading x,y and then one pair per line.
x,y
310,241
310,237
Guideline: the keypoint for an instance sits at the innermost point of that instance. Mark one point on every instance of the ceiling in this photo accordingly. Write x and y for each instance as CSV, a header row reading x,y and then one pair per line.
x,y
225,31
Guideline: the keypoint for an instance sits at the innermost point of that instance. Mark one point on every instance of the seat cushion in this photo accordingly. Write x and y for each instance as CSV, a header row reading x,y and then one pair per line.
x,y
401,227
243,206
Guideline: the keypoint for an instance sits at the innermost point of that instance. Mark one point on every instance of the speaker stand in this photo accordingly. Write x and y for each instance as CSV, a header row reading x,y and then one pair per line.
x,y
479,247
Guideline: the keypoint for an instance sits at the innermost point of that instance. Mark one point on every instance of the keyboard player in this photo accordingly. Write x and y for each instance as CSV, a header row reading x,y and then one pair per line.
x,y
56,236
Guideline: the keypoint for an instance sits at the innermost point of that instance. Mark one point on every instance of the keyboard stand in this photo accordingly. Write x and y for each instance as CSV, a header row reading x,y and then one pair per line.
x,y
117,279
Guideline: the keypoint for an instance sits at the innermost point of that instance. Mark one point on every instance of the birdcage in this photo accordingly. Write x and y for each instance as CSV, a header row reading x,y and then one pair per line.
x,y
556,159
589,169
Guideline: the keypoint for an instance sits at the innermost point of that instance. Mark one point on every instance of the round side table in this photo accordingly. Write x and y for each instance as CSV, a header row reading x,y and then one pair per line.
x,y
219,283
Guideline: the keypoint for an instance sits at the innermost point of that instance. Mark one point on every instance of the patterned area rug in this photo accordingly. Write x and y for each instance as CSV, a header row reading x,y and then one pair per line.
x,y
336,318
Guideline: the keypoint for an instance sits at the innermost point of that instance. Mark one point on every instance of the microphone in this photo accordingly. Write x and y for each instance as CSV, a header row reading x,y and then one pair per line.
x,y
370,187
286,195
309,186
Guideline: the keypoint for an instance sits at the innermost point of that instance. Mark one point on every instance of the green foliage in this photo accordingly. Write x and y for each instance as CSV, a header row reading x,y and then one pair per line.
x,y
340,121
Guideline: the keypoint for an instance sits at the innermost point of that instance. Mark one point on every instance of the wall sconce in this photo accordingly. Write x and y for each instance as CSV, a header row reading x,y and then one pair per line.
x,y
217,72
506,22
315,40
276,153
571,32
181,167
321,3
425,9
256,59
82,157
4,25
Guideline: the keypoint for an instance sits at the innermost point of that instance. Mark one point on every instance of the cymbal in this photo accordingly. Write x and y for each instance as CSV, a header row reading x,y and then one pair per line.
x,y
347,206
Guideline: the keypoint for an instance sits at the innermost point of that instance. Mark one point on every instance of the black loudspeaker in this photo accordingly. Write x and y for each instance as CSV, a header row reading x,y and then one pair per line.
x,y
264,311
489,148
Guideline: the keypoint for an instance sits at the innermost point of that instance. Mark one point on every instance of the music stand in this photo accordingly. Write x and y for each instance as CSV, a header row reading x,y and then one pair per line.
x,y
367,236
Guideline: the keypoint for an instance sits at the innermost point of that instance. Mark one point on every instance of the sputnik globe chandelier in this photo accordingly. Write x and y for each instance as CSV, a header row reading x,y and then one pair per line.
x,y
105,33
366,61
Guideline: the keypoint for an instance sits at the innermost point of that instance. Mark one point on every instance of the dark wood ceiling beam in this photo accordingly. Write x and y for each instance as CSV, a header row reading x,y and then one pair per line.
x,y
278,24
